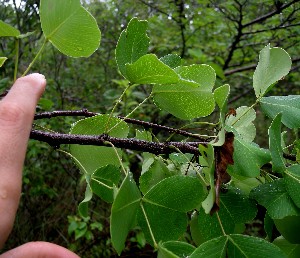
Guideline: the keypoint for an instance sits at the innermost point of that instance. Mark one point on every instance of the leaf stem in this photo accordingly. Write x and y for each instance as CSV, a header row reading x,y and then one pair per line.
x,y
36,57
221,225
17,46
129,113
148,223
115,106
252,106
76,160
119,158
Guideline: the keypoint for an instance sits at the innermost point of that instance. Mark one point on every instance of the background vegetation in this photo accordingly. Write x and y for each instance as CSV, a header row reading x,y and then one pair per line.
x,y
225,34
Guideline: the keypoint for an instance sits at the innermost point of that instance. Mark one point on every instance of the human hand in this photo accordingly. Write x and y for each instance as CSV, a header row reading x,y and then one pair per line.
x,y
16,115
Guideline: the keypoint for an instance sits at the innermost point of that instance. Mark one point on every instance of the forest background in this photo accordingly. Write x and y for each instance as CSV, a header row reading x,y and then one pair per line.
x,y
227,35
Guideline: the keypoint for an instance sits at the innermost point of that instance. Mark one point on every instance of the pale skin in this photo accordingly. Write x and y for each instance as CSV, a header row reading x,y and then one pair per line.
x,y
16,116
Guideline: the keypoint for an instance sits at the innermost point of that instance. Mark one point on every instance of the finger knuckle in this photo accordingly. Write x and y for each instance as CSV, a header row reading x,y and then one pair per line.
x,y
11,114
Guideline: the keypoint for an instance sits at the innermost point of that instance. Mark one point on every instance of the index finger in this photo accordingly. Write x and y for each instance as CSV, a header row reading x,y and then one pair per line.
x,y
16,114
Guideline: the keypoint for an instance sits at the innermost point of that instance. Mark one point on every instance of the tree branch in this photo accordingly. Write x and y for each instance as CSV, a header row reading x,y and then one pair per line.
x,y
56,139
86,113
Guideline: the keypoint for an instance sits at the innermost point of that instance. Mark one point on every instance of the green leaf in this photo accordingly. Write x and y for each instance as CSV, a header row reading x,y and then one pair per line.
x,y
212,226
156,172
215,248
83,206
171,60
207,154
174,249
276,199
203,75
235,208
93,157
289,106
252,247
150,70
292,182
7,30
274,63
291,250
248,158
237,246
243,123
166,204
133,44
241,208
69,27
123,212
103,181
278,164
2,61
192,96
221,95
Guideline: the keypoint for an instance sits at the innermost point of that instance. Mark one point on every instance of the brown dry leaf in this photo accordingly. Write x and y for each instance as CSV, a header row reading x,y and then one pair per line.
x,y
224,157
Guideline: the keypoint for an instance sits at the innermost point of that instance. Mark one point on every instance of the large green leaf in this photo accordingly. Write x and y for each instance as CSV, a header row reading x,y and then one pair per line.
x,y
203,75
241,208
192,96
291,250
103,181
237,246
241,246
150,70
156,172
174,249
278,164
276,199
221,95
248,158
7,30
166,204
2,60
212,226
292,182
289,106
274,63
215,248
242,122
133,43
123,212
93,157
235,208
171,60
69,27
